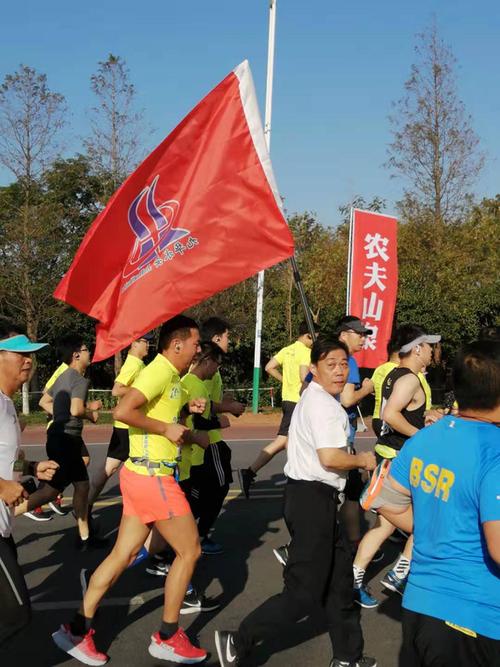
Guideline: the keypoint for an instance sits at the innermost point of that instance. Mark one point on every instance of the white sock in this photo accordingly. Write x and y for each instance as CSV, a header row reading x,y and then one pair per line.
x,y
402,567
358,574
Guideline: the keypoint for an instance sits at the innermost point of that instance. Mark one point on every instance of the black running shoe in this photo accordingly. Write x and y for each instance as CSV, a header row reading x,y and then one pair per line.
x,y
91,542
194,603
246,477
158,568
379,555
226,650
365,661
281,554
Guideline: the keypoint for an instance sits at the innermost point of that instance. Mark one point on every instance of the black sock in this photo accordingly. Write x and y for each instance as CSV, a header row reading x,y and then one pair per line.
x,y
168,630
80,625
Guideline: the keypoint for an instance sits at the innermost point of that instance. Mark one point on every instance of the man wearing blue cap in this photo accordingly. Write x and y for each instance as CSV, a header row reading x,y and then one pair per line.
x,y
15,368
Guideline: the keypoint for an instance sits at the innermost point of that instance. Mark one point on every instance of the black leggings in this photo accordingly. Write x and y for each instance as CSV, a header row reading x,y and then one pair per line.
x,y
15,607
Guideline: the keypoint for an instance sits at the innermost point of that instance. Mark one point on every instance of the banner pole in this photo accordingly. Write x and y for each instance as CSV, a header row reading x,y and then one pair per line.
x,y
349,263
267,134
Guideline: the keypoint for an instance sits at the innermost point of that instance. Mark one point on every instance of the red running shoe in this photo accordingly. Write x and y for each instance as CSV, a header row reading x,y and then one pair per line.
x,y
176,649
81,648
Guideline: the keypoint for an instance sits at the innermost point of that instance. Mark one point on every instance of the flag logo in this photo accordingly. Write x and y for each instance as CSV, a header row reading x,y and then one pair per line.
x,y
153,227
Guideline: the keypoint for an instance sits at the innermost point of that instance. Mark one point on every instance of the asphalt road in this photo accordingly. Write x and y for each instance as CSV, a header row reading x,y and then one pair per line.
x,y
243,577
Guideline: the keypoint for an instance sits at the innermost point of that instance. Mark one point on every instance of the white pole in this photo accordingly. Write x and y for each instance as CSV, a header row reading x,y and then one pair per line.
x,y
267,133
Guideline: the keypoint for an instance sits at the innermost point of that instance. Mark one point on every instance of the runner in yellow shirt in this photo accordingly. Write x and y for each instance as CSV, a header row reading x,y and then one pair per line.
x,y
119,443
294,362
211,466
151,497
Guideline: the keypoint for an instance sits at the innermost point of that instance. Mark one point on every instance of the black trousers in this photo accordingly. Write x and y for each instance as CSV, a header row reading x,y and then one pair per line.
x,y
429,642
318,575
15,608
209,485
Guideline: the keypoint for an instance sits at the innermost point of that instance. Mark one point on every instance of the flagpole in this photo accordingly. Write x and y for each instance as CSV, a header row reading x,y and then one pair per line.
x,y
267,134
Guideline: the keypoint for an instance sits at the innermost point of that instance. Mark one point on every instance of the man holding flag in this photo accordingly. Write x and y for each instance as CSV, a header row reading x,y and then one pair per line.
x,y
151,497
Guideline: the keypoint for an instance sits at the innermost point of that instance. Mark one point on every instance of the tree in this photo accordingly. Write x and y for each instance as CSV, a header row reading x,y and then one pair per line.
x,y
434,147
114,144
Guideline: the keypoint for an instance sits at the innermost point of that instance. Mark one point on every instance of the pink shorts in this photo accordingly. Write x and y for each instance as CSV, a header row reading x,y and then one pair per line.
x,y
152,498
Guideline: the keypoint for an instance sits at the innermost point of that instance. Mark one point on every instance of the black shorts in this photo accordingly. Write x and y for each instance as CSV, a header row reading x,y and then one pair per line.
x,y
429,641
287,407
66,450
119,444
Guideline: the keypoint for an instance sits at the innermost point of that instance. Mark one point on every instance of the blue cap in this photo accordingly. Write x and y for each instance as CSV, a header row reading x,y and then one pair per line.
x,y
20,344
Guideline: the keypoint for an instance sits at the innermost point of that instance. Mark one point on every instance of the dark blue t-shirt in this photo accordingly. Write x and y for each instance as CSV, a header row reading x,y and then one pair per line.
x,y
452,469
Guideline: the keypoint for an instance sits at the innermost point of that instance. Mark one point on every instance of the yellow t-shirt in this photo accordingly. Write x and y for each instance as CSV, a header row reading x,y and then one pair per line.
x,y
128,372
291,358
214,387
378,377
195,388
59,371
161,385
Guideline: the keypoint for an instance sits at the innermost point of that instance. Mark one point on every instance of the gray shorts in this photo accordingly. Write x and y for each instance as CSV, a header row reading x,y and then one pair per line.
x,y
389,496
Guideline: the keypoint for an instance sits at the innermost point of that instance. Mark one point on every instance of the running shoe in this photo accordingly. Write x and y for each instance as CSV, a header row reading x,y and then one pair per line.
x,y
226,650
281,554
92,542
394,583
158,568
81,648
211,548
363,597
379,555
56,506
246,477
38,515
365,661
176,649
194,603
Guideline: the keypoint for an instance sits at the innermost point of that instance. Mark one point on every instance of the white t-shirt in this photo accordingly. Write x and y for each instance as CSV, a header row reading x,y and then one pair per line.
x,y
10,435
318,422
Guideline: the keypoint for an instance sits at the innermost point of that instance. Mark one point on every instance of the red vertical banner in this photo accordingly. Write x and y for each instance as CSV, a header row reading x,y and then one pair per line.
x,y
373,280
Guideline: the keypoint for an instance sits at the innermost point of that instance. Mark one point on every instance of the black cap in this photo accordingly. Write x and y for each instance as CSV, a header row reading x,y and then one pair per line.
x,y
147,336
353,324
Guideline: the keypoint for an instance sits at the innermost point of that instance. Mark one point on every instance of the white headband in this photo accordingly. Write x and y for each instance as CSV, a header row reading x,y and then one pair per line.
x,y
431,339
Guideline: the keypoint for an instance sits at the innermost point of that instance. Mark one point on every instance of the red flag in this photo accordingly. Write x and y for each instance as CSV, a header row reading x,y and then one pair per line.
x,y
373,280
201,213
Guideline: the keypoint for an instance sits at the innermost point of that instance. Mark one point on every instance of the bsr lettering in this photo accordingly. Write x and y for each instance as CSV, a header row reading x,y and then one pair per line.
x,y
431,478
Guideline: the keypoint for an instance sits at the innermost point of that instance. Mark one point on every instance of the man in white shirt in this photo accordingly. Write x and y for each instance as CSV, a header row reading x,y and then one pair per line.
x,y
15,369
318,574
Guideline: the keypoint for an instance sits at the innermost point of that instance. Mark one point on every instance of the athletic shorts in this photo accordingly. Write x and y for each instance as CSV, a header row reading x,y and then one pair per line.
x,y
287,407
379,491
119,444
152,497
66,450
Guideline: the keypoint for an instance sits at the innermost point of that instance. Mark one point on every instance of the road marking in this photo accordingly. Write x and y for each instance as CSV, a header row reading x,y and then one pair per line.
x,y
230,440
135,601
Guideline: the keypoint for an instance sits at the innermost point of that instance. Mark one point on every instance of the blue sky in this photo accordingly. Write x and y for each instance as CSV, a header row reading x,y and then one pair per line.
x,y
338,67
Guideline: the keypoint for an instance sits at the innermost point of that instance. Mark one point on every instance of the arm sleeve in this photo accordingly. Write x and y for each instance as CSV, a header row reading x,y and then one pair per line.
x,y
327,426
400,466
489,492
151,383
80,388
